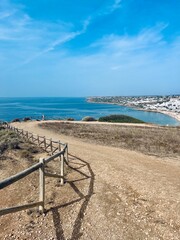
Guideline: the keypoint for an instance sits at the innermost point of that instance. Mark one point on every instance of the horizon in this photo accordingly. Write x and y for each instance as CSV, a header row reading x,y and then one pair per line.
x,y
158,95
63,48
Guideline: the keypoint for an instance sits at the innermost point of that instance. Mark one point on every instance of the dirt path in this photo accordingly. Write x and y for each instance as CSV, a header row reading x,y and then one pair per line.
x,y
112,193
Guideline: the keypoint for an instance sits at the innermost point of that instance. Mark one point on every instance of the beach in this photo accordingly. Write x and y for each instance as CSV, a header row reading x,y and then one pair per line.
x,y
168,105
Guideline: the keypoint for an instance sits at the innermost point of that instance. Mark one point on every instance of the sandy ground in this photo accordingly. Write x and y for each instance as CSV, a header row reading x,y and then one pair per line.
x,y
111,193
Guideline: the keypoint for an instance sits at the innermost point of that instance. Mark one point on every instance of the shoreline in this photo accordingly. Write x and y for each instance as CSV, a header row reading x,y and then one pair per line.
x,y
171,114
174,115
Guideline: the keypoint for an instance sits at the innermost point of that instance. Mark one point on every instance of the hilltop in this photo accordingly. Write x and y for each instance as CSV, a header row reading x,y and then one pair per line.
x,y
113,191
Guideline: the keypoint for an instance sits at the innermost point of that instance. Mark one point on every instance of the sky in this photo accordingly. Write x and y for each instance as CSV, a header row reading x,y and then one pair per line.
x,y
64,48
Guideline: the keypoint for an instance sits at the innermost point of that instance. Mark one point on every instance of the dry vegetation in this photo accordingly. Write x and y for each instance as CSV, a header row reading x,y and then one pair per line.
x,y
160,141
16,154
12,144
29,224
106,195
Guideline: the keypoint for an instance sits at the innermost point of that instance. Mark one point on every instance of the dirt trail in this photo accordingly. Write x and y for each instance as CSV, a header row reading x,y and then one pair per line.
x,y
122,195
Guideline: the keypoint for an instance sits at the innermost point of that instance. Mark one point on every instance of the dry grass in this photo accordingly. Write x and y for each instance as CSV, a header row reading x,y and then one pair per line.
x,y
11,141
109,194
160,141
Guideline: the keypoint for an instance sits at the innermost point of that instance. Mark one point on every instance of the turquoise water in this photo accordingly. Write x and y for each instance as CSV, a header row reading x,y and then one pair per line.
x,y
77,108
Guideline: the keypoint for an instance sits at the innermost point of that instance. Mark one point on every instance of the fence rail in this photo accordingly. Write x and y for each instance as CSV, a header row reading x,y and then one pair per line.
x,y
57,150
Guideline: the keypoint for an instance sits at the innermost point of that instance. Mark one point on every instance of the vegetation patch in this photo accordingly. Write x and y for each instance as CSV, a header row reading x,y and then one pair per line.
x,y
119,119
8,140
27,119
88,119
16,120
70,119
159,141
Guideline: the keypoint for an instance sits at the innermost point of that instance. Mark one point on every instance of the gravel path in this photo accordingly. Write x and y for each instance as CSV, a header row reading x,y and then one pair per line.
x,y
111,193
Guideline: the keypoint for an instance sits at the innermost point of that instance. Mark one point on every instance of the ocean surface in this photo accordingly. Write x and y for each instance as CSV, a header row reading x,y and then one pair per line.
x,y
77,108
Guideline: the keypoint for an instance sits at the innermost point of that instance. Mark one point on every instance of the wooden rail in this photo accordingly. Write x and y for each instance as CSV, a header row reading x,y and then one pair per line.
x,y
57,150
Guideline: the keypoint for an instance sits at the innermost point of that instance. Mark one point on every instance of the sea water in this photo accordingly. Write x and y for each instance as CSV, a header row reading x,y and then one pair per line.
x,y
77,108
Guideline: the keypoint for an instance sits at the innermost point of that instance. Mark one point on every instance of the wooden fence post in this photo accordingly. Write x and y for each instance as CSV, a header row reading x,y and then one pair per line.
x,y
67,160
51,146
62,169
38,139
41,185
45,143
59,146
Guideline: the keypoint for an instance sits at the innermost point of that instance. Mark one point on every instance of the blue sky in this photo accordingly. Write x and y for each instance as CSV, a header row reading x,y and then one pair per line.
x,y
89,48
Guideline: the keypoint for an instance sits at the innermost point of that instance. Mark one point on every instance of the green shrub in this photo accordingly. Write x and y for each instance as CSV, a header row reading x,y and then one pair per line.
x,y
1,127
88,119
16,120
70,119
26,119
3,147
13,143
119,119
8,140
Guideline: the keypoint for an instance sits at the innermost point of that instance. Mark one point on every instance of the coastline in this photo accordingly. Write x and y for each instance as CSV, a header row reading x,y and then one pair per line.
x,y
171,114
174,115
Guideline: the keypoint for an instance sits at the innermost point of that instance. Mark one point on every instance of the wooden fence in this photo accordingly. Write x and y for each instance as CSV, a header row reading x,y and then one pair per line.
x,y
56,149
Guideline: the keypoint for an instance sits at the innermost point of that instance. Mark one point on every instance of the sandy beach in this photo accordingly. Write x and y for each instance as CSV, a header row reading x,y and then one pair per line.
x,y
174,115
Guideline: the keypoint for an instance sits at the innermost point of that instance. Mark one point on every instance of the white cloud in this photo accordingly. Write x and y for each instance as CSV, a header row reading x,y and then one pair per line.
x,y
116,5
38,38
143,59
146,39
69,36
112,60
6,14
116,68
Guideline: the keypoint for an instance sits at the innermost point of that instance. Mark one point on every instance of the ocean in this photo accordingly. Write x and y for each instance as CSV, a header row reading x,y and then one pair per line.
x,y
77,108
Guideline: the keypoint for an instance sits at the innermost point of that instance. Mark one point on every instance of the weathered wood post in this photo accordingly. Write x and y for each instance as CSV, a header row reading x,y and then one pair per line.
x,y
38,139
45,143
41,185
32,137
67,159
59,146
62,169
51,145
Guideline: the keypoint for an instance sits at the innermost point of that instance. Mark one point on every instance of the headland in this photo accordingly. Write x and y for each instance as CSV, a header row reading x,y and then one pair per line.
x,y
169,105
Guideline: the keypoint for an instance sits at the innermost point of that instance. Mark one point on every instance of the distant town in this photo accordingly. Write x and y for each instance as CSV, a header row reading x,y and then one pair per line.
x,y
165,104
